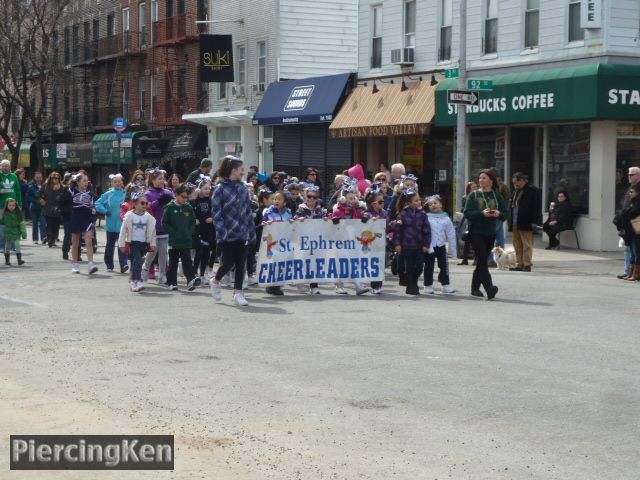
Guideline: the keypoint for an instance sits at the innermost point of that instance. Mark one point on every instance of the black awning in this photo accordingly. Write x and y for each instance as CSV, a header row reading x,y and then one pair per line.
x,y
186,138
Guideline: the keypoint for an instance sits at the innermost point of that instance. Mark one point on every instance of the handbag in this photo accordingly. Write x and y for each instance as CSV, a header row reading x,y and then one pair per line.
x,y
635,223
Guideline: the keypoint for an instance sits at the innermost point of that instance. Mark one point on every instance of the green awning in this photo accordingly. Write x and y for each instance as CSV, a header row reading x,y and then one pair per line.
x,y
107,152
587,92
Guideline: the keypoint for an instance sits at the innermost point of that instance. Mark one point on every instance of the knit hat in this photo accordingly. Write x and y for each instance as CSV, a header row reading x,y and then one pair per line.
x,y
206,162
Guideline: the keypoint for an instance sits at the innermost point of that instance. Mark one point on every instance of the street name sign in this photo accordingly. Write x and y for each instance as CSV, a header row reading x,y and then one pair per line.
x,y
452,73
462,97
480,84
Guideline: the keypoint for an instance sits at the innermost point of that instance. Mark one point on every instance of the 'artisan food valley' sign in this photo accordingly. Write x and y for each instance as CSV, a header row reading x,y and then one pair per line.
x,y
380,130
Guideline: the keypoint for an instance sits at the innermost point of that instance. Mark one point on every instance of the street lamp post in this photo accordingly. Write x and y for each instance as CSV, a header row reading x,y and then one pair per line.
x,y
462,110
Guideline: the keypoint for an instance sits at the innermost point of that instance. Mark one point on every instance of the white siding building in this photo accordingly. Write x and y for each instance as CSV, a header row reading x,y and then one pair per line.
x,y
565,108
273,40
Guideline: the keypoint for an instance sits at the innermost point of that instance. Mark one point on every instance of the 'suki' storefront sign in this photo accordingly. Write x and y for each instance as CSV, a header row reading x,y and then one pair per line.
x,y
317,251
216,58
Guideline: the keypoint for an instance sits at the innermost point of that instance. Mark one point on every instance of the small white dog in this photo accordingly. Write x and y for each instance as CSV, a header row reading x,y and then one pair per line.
x,y
505,259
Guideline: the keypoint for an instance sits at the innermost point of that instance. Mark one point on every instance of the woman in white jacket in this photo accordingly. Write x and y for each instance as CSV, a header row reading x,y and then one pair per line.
x,y
137,237
442,231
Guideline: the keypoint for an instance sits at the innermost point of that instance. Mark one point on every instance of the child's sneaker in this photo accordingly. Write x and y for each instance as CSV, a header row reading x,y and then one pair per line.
x,y
361,289
376,291
76,268
429,290
238,299
448,289
314,291
133,286
140,285
216,293
253,279
340,290
93,268
172,288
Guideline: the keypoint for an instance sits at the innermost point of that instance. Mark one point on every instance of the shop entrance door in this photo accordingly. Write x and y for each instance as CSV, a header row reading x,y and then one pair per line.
x,y
522,156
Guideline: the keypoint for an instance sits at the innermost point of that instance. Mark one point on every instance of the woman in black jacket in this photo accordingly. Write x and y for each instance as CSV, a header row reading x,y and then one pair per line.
x,y
629,235
560,219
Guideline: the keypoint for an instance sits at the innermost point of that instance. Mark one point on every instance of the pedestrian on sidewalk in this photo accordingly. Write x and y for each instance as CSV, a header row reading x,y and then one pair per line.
x,y
234,225
634,179
630,235
14,230
109,205
39,223
526,216
560,219
50,197
483,209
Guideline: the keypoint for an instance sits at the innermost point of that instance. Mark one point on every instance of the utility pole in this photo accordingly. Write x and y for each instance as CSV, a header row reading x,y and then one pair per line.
x,y
461,150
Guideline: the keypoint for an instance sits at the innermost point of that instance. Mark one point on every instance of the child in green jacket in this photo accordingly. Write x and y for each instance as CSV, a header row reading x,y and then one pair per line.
x,y
179,221
14,230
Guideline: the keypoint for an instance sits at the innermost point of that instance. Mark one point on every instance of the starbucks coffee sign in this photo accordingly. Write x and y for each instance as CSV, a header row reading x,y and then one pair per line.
x,y
587,92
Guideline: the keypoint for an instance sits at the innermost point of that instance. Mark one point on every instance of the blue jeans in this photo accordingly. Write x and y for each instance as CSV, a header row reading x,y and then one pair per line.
x,y
112,240
627,260
39,224
137,254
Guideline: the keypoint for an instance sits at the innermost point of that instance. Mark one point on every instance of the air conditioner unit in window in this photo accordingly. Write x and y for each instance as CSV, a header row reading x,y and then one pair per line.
x,y
237,90
402,56
259,87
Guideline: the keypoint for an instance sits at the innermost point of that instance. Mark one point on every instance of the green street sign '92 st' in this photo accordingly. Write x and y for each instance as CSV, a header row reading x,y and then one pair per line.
x,y
480,84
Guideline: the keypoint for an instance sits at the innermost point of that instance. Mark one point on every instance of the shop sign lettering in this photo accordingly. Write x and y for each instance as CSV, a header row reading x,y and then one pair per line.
x,y
503,104
380,131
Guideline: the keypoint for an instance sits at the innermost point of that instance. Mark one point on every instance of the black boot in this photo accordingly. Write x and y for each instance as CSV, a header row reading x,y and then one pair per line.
x,y
6,259
412,284
20,261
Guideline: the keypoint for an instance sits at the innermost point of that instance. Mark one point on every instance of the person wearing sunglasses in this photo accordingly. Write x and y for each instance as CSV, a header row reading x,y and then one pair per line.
x,y
137,237
109,205
50,196
312,210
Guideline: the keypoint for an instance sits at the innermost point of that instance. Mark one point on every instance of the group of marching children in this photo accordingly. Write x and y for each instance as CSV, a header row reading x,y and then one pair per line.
x,y
154,225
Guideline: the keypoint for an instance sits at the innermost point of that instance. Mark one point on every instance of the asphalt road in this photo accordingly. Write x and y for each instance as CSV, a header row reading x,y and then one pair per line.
x,y
542,383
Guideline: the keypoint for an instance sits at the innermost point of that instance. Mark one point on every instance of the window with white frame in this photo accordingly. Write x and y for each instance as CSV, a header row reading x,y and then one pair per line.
x,y
125,20
142,23
575,32
376,37
154,17
222,90
410,23
491,27
531,23
154,96
142,96
262,65
446,20
242,69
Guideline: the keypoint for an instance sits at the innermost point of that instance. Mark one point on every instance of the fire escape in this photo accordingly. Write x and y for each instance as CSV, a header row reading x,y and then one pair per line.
x,y
178,81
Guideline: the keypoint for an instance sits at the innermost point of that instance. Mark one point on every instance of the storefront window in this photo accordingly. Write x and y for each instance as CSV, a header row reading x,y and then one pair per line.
x,y
568,167
487,150
628,155
228,139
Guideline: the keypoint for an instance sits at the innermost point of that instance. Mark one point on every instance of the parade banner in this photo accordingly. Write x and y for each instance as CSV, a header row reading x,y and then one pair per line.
x,y
317,251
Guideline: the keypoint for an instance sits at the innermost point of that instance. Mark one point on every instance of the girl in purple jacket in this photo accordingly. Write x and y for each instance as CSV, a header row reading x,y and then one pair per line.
x,y
413,237
158,197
